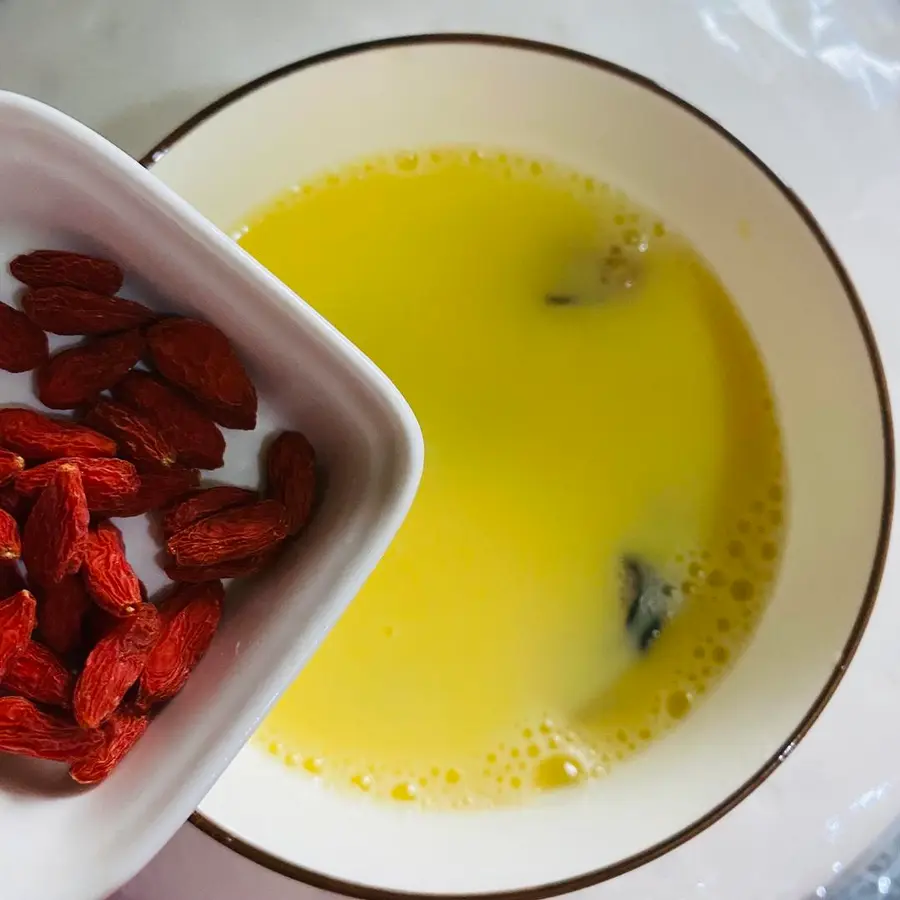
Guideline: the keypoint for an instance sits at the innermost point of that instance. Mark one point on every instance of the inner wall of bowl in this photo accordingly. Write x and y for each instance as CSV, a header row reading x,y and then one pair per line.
x,y
781,279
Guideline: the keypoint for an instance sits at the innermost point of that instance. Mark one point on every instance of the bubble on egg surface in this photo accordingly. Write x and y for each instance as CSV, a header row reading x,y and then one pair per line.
x,y
724,582
546,754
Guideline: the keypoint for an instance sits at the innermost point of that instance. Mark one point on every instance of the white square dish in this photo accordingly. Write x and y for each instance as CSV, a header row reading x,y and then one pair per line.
x,y
62,186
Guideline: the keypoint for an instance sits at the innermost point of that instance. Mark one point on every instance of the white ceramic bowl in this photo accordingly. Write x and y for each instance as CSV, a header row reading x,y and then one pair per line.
x,y
63,186
418,92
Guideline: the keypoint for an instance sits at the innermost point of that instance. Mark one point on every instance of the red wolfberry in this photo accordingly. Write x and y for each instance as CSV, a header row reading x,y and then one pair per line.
x,y
18,615
198,358
45,268
23,346
114,665
78,375
204,503
237,568
156,490
11,464
291,471
230,535
190,616
10,542
40,675
194,436
68,310
36,436
136,436
106,482
56,530
26,731
108,575
120,733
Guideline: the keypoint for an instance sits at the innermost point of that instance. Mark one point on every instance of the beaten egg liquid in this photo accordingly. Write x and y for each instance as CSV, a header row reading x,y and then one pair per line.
x,y
486,659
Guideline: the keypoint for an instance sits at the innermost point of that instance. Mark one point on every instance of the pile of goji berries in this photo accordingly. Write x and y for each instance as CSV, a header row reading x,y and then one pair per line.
x,y
85,658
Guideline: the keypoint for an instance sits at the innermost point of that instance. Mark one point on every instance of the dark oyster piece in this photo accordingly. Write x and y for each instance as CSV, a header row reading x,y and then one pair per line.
x,y
648,599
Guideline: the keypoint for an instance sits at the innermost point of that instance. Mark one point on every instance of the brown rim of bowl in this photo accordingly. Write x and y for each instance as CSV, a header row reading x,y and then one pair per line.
x,y
327,882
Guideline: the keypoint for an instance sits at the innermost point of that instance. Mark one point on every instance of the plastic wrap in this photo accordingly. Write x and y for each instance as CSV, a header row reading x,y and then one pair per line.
x,y
831,72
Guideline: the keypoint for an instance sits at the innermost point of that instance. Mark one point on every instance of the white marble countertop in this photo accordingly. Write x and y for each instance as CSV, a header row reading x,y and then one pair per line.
x,y
812,85
133,69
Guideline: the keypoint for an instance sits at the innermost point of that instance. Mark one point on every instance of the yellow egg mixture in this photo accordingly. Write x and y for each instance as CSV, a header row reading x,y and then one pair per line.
x,y
487,658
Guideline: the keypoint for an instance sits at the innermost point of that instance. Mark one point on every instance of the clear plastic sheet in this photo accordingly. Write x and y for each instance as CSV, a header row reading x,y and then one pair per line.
x,y
832,71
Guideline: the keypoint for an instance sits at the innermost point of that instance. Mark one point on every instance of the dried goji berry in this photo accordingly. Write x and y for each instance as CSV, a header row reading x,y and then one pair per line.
x,y
229,535
120,732
23,346
40,675
291,471
183,595
56,530
46,268
108,575
68,310
106,481
10,466
190,616
80,374
26,731
18,615
62,614
204,503
156,490
10,543
11,581
137,437
198,358
114,665
237,568
194,436
36,436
